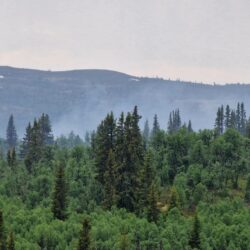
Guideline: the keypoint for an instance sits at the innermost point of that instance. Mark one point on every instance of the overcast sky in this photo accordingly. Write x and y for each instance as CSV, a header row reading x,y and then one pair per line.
x,y
195,40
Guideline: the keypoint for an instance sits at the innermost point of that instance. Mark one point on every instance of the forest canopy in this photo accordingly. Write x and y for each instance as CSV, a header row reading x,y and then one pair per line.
x,y
124,187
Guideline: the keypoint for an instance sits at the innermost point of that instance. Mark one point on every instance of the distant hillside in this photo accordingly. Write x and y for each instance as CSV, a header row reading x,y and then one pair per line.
x,y
77,100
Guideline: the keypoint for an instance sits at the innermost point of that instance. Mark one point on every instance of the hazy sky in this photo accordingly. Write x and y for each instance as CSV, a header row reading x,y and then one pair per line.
x,y
198,40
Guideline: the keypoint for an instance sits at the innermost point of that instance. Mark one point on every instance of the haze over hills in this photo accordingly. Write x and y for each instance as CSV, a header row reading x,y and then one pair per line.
x,y
78,99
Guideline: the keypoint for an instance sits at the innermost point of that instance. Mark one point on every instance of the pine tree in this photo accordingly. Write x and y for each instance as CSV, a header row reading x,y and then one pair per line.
x,y
194,241
11,242
110,182
2,232
85,239
152,209
59,203
11,133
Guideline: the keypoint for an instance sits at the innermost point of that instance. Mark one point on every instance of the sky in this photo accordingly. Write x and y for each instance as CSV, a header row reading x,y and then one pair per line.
x,y
202,41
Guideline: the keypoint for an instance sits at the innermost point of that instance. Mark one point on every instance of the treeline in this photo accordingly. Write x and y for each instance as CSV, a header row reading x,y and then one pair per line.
x,y
232,118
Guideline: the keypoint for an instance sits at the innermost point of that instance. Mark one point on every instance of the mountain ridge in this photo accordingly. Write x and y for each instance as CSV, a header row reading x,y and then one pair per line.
x,y
78,99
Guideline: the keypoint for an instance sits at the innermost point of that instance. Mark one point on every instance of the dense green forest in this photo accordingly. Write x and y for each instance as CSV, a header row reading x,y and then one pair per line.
x,y
124,187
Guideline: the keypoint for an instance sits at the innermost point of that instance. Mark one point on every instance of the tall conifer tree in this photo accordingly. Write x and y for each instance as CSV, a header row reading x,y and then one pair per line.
x,y
110,182
104,141
227,117
59,202
156,125
11,133
46,131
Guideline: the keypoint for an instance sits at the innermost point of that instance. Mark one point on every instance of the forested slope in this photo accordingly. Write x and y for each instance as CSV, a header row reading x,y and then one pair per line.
x,y
124,188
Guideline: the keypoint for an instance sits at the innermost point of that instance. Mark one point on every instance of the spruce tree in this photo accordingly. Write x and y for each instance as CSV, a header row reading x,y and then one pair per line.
x,y
233,120
110,174
104,142
26,142
59,202
242,119
120,150
130,154
156,126
35,146
147,178
222,120
238,117
11,242
177,120
46,131
170,124
219,122
227,117
146,132
11,133
85,238
194,241
174,123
